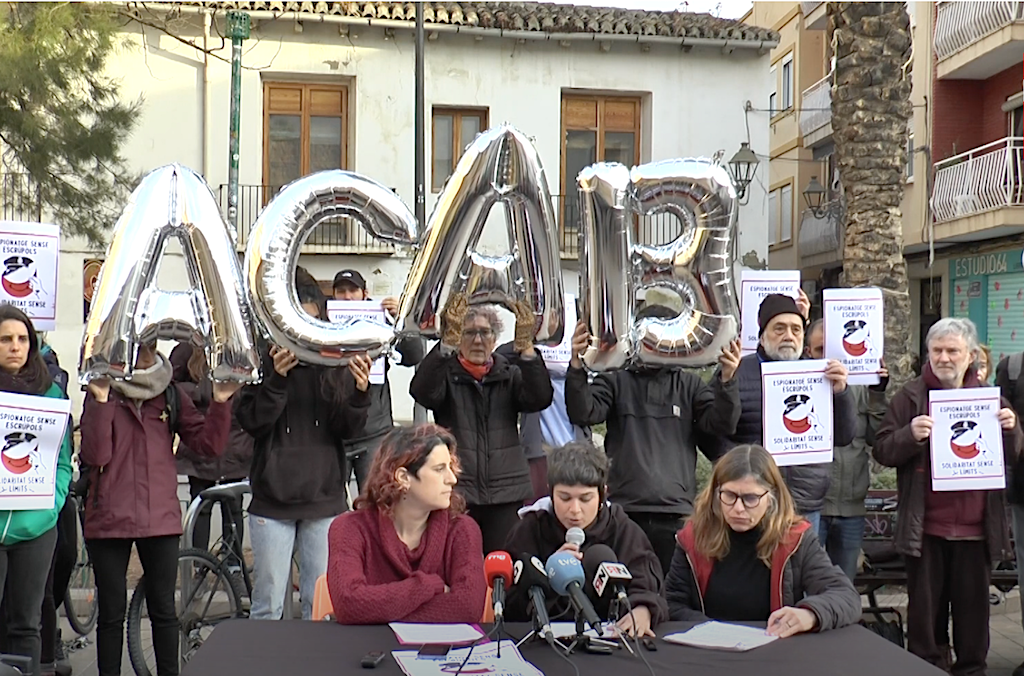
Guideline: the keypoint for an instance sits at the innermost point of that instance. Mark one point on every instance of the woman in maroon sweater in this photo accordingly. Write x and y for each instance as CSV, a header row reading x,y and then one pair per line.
x,y
408,553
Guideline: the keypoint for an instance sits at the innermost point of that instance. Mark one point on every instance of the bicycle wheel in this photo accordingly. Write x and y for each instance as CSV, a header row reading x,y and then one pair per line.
x,y
80,604
205,596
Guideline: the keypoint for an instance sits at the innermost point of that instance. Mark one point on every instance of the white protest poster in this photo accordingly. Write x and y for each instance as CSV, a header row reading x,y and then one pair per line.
x,y
754,286
966,441
369,310
853,332
797,407
32,431
560,355
28,279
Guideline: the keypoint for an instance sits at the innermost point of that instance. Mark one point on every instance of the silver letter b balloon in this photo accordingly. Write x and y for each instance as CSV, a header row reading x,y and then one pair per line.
x,y
127,308
697,265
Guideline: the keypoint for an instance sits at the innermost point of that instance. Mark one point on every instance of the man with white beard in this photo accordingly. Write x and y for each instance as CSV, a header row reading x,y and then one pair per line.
x,y
782,322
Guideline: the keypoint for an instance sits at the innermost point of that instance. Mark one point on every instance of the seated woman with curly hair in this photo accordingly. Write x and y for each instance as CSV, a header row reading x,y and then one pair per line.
x,y
745,556
408,553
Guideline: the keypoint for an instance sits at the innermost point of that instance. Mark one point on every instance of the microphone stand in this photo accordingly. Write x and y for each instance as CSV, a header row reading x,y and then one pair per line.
x,y
591,644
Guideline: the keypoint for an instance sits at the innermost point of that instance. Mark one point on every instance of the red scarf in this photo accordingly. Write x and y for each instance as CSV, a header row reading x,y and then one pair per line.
x,y
478,371
933,382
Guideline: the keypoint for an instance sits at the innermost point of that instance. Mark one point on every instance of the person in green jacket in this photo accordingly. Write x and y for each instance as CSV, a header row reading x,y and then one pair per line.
x,y
28,537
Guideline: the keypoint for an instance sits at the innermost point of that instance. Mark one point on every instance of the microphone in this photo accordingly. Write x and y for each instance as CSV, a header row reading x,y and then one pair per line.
x,y
498,570
602,566
566,575
575,536
529,572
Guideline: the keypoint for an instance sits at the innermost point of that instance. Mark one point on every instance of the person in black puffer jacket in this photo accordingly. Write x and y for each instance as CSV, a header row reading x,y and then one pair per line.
x,y
782,322
478,395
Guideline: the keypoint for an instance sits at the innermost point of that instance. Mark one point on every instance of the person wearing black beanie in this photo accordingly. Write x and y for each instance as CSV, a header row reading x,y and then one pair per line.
x,y
781,322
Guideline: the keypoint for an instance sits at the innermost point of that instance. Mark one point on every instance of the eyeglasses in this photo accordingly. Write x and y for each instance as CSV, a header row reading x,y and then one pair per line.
x,y
750,500
473,334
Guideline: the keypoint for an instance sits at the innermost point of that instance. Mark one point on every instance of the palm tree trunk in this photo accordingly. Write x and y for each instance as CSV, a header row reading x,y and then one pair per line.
x,y
870,110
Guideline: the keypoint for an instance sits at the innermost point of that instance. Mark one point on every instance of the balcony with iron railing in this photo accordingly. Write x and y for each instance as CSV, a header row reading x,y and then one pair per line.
x,y
976,40
816,112
822,237
986,181
20,200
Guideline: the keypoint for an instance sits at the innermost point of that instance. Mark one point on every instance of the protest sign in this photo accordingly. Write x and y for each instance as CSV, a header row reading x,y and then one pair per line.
x,y
560,355
854,333
797,407
28,278
31,430
368,310
755,285
966,440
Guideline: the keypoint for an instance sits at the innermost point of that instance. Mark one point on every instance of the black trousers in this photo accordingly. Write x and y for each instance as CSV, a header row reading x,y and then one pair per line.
x,y
496,522
360,455
26,565
661,529
229,512
951,577
159,558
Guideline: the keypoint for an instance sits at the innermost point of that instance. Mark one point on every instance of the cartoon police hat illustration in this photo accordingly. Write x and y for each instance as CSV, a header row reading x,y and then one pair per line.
x,y
16,450
855,335
17,276
798,408
964,440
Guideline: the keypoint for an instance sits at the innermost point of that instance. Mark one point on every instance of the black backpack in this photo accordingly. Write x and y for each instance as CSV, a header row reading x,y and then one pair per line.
x,y
172,411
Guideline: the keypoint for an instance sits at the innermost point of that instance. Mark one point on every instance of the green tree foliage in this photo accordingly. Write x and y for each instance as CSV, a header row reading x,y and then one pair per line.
x,y
61,120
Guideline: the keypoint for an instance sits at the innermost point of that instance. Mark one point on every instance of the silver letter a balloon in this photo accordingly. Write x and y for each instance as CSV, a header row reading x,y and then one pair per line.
x,y
127,307
501,165
697,265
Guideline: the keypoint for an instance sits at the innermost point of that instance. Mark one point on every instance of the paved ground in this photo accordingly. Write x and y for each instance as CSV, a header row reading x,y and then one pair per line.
x,y
1006,653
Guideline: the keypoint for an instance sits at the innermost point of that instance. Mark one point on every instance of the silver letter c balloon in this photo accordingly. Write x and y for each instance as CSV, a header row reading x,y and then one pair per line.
x,y
697,265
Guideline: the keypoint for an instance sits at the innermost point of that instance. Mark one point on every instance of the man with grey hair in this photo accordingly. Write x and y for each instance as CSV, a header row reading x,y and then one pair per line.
x,y
950,538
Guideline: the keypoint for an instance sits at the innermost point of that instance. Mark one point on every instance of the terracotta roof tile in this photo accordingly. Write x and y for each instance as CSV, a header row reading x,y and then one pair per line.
x,y
522,16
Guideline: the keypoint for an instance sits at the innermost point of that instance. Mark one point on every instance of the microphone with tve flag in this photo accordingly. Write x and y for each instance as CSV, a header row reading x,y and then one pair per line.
x,y
566,575
529,572
498,571
609,577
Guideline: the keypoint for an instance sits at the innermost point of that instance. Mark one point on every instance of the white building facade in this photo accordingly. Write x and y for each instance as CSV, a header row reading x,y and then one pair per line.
x,y
324,88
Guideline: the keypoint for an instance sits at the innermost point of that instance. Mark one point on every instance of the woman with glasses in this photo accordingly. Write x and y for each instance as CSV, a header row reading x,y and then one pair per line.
x,y
745,556
478,395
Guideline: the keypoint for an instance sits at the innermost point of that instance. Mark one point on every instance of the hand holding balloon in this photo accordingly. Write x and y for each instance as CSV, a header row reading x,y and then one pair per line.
x,y
99,388
580,343
222,391
526,328
452,318
360,365
284,360
729,360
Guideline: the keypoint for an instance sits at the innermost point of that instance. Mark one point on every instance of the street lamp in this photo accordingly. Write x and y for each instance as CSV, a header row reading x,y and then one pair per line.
x,y
741,168
814,196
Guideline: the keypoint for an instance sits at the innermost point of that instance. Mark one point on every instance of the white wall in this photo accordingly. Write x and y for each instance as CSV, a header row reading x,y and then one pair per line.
x,y
692,106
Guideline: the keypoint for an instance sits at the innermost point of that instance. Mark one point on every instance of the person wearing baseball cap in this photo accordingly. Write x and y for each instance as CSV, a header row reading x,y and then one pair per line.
x,y
350,285
781,322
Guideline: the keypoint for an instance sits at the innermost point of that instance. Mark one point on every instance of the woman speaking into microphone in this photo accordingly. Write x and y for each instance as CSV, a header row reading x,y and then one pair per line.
x,y
408,553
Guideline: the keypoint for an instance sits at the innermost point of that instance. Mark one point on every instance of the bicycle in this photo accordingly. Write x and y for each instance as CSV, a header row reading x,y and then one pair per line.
x,y
208,593
80,603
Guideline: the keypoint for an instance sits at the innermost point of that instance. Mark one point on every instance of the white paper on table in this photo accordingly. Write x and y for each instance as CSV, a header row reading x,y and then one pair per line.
x,y
854,332
966,440
428,634
32,430
371,311
754,286
29,282
482,660
562,353
797,409
722,636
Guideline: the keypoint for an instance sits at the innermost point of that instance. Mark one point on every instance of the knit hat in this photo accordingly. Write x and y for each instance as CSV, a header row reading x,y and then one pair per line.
x,y
773,305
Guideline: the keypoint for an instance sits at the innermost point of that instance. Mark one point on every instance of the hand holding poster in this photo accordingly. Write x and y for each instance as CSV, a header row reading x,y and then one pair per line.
x,y
755,285
967,440
28,278
32,431
368,310
559,356
797,407
854,333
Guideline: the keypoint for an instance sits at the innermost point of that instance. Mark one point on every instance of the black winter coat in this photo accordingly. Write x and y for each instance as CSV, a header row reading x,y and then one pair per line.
x,y
484,417
808,483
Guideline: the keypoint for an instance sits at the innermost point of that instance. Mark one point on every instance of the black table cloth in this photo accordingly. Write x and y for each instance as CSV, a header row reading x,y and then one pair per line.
x,y
263,648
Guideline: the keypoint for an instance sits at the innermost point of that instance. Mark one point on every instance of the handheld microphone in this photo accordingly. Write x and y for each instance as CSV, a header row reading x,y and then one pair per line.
x,y
498,570
575,536
603,567
529,572
566,575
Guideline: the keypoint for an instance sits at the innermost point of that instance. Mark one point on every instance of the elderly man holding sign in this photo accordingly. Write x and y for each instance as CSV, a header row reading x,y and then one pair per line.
x,y
949,531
